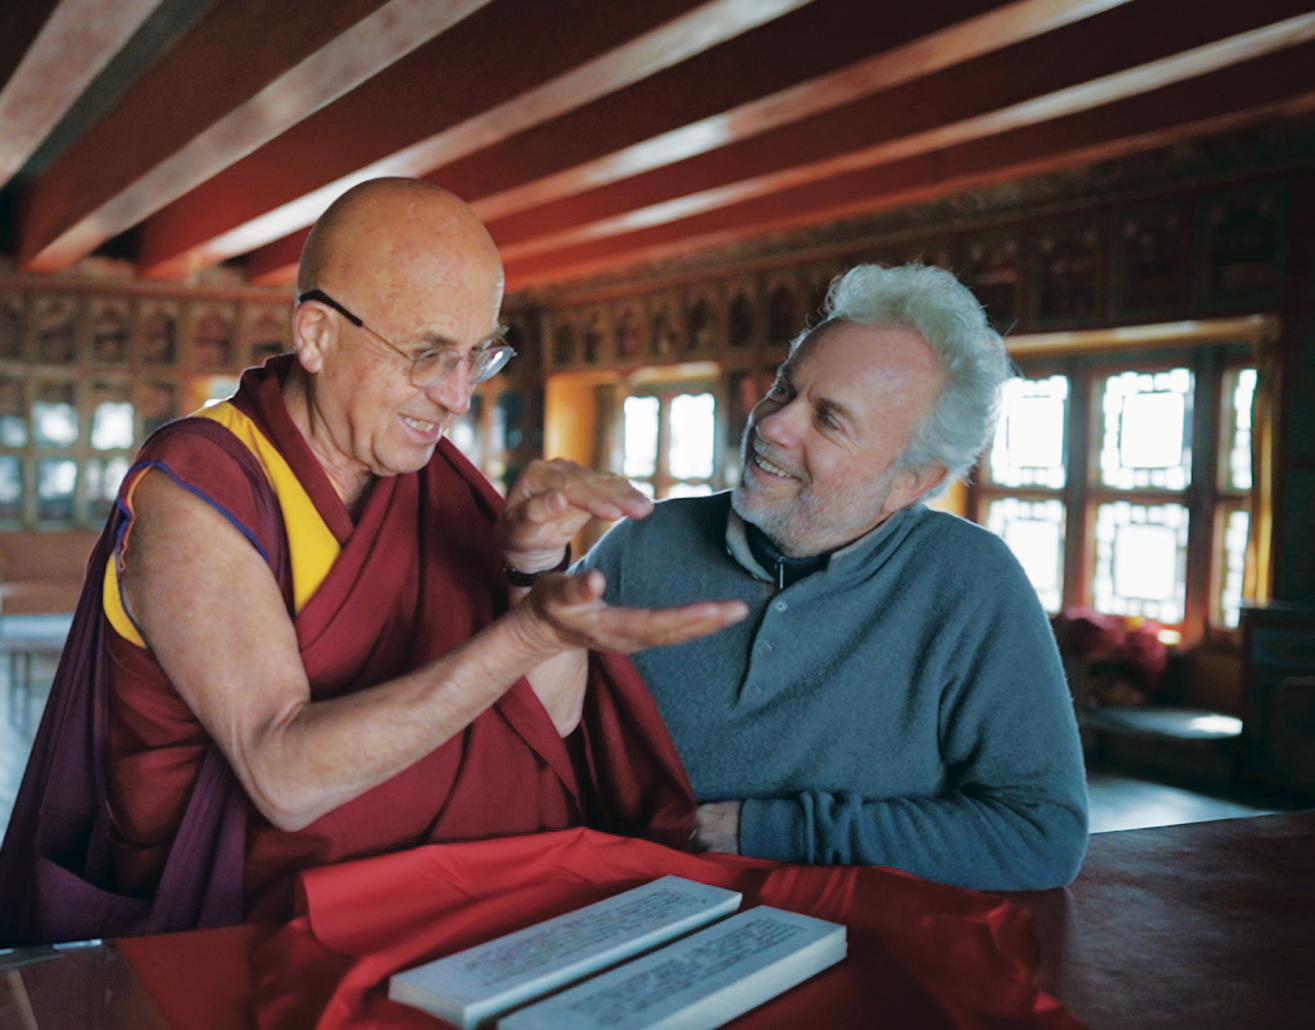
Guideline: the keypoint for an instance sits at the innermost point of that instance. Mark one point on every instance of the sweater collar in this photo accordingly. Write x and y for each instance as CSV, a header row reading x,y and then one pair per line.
x,y
854,558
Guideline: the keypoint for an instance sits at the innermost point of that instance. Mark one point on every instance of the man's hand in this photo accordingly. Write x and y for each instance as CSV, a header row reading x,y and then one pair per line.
x,y
717,827
569,611
550,504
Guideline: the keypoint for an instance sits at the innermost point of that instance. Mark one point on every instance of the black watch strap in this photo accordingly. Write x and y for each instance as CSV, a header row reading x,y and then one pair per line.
x,y
517,578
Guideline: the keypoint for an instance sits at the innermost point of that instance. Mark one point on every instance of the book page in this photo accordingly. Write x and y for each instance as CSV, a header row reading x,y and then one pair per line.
x,y
491,978
701,981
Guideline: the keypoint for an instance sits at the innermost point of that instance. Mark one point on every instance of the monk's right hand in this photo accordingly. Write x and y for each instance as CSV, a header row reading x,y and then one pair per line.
x,y
552,501
572,611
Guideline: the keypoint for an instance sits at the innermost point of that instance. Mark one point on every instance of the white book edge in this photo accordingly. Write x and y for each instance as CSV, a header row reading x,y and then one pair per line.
x,y
758,988
469,1012
709,1010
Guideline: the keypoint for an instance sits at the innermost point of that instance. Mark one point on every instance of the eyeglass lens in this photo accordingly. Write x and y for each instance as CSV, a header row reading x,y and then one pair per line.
x,y
485,363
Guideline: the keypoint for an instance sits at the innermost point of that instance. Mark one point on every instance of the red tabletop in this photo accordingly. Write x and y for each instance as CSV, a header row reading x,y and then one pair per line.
x,y
1198,926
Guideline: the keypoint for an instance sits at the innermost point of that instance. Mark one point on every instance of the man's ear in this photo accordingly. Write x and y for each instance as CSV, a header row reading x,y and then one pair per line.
x,y
313,334
910,485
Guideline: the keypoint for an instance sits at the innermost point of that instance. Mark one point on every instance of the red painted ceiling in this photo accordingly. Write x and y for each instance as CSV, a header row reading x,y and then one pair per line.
x,y
590,135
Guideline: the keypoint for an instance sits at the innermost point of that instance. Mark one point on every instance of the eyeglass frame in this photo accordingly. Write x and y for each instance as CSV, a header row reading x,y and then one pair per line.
x,y
489,350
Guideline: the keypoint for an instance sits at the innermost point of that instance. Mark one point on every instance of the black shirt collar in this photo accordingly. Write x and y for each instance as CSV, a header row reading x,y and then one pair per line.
x,y
784,569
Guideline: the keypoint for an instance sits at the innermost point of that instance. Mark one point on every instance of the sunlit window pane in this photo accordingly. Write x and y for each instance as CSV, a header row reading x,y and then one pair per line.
x,y
1034,531
645,488
220,388
1235,555
689,490
56,481
465,439
103,479
693,432
1147,438
55,415
1029,440
640,436
1151,435
1240,394
1141,560
11,488
111,426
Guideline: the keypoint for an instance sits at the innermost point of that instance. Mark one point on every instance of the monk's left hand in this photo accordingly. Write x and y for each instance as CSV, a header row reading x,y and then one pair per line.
x,y
550,504
717,827
563,612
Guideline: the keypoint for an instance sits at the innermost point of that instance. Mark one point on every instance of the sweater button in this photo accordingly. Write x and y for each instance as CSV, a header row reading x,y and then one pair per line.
x,y
764,647
754,691
780,606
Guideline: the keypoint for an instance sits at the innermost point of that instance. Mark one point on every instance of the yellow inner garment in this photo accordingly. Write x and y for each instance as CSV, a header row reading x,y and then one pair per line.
x,y
313,548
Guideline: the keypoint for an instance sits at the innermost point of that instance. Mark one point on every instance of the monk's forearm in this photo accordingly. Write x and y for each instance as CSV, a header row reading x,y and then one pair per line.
x,y
312,757
560,684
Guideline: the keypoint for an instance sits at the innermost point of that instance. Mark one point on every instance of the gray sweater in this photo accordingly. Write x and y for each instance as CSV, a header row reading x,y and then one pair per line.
x,y
905,706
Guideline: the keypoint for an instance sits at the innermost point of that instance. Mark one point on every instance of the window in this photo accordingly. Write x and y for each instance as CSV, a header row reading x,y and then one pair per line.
x,y
668,440
1122,482
85,378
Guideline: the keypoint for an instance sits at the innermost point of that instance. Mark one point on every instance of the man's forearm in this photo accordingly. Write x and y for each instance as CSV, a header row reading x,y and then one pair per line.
x,y
1000,842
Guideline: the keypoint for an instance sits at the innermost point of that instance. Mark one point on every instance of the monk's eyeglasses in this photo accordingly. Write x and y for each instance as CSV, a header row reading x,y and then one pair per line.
x,y
432,366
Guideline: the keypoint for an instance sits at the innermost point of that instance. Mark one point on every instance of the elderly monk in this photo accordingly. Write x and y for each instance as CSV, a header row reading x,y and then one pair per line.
x,y
312,632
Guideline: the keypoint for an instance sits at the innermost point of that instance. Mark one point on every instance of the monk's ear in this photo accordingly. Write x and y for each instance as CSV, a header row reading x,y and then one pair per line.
x,y
313,334
910,485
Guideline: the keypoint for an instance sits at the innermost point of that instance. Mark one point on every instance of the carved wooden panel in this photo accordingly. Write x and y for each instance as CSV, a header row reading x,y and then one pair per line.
x,y
212,328
630,331
110,320
785,314
705,319
1151,266
666,320
1066,274
992,267
817,283
55,321
1244,240
266,331
525,334
595,340
13,326
561,327
157,332
743,317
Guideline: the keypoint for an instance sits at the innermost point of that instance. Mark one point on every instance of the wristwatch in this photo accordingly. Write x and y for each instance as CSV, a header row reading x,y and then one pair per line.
x,y
517,578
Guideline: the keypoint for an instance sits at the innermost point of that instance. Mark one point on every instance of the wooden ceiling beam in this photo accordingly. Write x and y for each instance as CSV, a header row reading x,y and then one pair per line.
x,y
198,109
473,87
50,52
807,61
1265,89
810,62
1065,72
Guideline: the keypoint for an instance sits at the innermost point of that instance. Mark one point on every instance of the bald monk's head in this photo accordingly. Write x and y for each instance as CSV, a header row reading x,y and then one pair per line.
x,y
388,228
399,288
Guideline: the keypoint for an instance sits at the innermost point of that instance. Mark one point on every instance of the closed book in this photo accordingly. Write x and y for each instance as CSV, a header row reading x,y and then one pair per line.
x,y
697,983
476,985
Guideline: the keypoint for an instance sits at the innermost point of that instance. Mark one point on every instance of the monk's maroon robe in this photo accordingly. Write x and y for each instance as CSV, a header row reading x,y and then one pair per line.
x,y
129,819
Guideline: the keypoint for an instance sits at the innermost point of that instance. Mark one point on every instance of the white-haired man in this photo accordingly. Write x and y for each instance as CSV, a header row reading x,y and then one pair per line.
x,y
895,695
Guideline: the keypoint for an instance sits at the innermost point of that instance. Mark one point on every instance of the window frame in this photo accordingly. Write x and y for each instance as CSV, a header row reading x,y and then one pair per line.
x,y
1210,351
666,390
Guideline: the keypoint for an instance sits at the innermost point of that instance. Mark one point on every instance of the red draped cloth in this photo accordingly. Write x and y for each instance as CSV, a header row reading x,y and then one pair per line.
x,y
921,955
129,820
